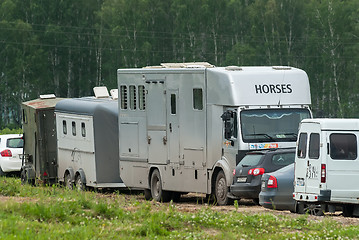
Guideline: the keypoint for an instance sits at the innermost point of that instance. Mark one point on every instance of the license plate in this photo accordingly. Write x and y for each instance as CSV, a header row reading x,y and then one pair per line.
x,y
241,179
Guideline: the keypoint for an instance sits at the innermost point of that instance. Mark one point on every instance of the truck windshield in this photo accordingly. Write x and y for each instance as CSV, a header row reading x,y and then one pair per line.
x,y
271,125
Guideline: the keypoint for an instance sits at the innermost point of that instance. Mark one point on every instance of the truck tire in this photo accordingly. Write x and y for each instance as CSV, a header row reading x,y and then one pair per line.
x,y
157,192
221,189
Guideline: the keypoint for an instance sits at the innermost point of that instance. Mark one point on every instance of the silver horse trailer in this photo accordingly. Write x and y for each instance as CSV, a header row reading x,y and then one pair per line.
x,y
184,127
87,139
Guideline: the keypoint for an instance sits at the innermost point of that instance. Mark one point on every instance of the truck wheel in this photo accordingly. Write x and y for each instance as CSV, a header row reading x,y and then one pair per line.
x,y
348,210
221,189
79,184
157,192
311,209
67,181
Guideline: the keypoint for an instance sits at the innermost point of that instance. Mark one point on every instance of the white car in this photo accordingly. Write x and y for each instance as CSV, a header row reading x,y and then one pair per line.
x,y
11,148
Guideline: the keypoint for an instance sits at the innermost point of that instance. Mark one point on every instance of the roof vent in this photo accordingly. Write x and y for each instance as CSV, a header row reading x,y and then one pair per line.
x,y
187,65
233,68
114,94
101,92
281,68
47,96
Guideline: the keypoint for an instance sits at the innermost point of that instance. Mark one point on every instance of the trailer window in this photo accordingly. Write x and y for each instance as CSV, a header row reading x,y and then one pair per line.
x,y
24,118
173,104
83,129
197,99
314,146
73,128
64,127
141,97
343,146
302,146
133,99
123,93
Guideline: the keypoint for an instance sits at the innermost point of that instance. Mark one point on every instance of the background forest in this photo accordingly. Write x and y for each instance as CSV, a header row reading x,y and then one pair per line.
x,y
67,47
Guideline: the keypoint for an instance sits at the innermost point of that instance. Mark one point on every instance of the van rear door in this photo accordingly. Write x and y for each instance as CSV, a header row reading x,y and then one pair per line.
x,y
308,164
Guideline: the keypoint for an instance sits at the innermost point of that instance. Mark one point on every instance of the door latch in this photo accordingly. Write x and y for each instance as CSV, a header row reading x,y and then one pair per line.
x,y
149,139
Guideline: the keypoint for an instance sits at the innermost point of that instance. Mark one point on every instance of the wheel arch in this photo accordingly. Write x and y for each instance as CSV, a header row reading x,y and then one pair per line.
x,y
82,174
152,168
71,172
221,165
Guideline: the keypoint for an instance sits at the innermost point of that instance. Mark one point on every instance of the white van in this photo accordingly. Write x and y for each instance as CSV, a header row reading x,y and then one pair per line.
x,y
327,165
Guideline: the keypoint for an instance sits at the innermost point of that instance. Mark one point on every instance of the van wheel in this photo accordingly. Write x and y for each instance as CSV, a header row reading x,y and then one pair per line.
x,y
311,209
157,192
221,189
67,181
348,210
79,184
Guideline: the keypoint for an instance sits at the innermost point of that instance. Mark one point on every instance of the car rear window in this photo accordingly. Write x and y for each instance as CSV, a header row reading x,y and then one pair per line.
x,y
15,143
251,160
283,159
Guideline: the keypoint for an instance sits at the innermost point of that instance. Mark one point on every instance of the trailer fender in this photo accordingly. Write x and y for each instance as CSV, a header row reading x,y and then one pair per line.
x,y
71,172
81,172
222,164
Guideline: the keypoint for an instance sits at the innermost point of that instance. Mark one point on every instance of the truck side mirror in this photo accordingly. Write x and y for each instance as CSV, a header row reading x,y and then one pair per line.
x,y
230,124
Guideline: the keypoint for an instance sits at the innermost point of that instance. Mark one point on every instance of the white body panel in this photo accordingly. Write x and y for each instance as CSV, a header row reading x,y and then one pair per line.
x,y
341,172
13,163
180,130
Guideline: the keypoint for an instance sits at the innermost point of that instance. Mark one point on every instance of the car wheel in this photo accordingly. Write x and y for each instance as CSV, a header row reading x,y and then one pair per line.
x,y
67,181
221,189
2,173
79,183
157,192
311,209
348,210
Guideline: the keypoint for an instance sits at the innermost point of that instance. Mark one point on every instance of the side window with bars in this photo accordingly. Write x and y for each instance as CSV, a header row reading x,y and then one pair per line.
x,y
123,96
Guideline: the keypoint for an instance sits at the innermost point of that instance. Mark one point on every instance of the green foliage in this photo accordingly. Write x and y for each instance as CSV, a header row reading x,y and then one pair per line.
x,y
10,131
68,47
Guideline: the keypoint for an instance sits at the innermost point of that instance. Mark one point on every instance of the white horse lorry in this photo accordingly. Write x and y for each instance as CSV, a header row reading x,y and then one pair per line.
x,y
183,127
87,141
327,166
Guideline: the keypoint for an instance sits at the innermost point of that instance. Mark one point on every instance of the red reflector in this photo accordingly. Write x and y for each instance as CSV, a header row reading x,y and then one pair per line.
x,y
6,153
234,172
45,174
272,182
256,171
316,197
323,174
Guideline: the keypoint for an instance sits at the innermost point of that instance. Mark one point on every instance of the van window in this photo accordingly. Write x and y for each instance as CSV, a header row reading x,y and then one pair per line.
x,y
141,97
343,146
314,146
197,99
133,99
302,146
123,93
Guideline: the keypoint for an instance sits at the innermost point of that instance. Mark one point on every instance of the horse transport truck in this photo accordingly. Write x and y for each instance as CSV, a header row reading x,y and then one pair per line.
x,y
183,127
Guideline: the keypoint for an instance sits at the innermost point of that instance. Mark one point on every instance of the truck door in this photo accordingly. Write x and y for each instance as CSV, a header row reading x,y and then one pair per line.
x,y
156,122
173,130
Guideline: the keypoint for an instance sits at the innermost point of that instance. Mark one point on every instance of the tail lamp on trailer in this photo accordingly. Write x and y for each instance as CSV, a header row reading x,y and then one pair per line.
x,y
323,173
256,171
6,153
272,182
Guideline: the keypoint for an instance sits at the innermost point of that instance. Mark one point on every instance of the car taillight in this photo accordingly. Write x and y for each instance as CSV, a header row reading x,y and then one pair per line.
x,y
256,171
272,182
6,153
323,174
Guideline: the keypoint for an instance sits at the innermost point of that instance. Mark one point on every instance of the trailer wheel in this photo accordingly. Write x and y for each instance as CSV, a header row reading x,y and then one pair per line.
x,y
79,183
25,179
157,192
311,209
348,210
221,189
67,181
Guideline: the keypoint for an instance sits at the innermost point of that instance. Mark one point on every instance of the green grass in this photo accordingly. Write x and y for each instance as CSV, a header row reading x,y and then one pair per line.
x,y
57,213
